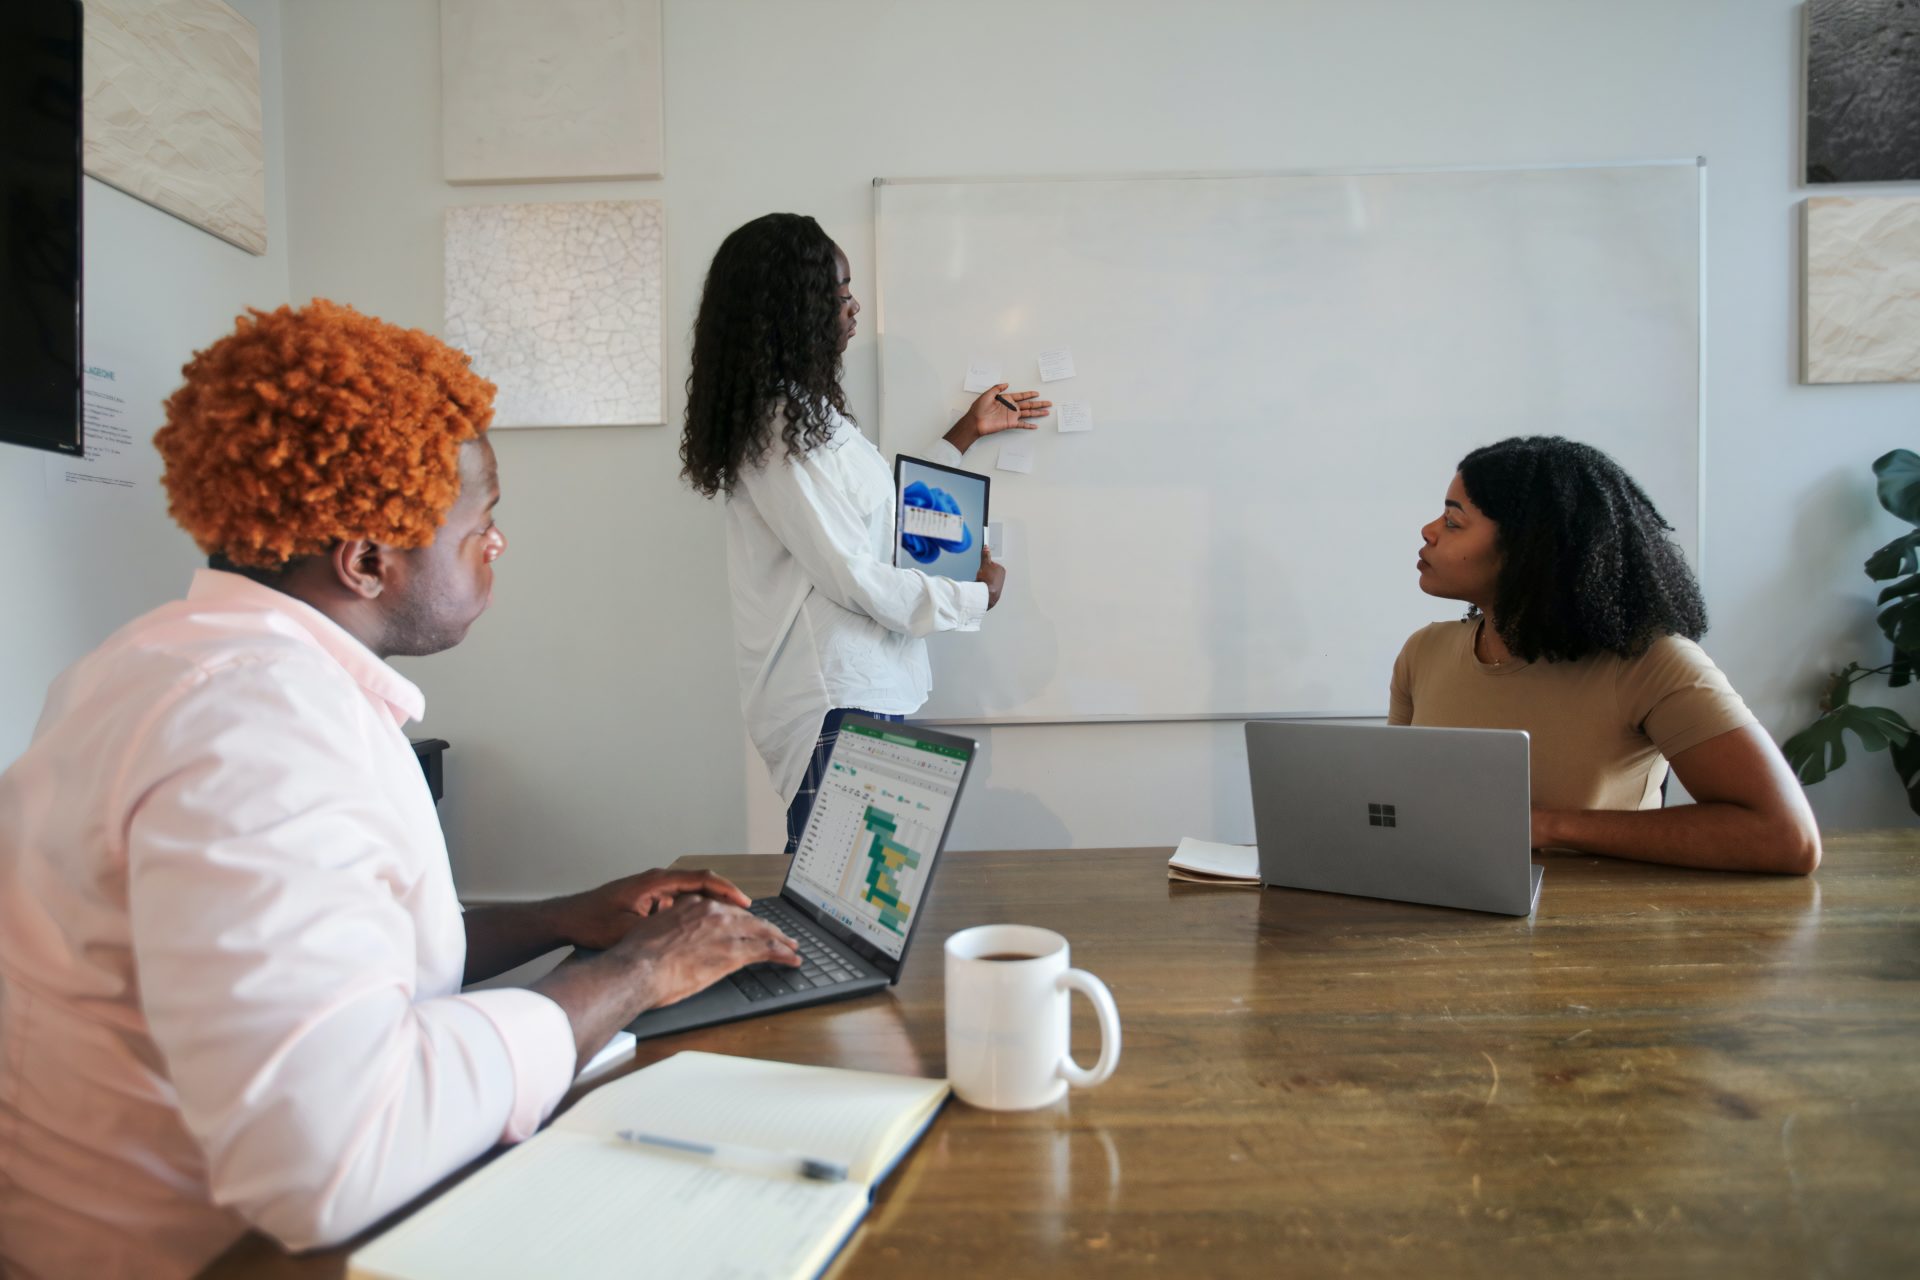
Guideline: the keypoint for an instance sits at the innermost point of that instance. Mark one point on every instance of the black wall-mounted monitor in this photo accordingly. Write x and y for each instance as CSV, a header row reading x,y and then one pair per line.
x,y
40,43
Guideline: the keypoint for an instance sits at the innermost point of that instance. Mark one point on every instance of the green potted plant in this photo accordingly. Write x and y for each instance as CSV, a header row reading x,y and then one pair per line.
x,y
1820,748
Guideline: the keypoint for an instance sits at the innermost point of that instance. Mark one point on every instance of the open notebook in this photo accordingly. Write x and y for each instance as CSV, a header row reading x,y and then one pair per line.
x,y
577,1201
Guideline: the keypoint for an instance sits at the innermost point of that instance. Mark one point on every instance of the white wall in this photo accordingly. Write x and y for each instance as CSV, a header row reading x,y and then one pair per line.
x,y
593,714
77,565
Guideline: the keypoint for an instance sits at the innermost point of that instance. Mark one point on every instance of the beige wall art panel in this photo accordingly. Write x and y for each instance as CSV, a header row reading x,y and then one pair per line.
x,y
547,92
173,112
1862,289
561,305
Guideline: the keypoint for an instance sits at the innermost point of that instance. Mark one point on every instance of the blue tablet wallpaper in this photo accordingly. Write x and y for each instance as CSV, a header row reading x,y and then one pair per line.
x,y
942,520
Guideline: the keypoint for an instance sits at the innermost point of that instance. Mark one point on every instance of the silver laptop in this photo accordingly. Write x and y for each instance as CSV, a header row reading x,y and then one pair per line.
x,y
859,879
1438,816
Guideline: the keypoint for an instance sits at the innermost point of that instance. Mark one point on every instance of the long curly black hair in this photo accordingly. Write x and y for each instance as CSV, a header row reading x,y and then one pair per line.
x,y
1586,565
766,334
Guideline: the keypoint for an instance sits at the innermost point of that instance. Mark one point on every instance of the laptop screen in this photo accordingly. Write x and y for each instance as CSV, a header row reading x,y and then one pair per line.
x,y
876,828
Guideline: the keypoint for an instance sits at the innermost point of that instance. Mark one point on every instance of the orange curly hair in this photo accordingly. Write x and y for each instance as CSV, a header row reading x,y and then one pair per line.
x,y
308,426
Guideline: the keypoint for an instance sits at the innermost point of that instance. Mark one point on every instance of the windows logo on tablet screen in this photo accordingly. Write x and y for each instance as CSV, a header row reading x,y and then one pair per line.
x,y
941,518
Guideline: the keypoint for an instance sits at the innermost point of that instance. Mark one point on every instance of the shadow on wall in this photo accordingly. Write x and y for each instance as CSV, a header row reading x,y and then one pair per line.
x,y
1232,805
1001,817
1835,626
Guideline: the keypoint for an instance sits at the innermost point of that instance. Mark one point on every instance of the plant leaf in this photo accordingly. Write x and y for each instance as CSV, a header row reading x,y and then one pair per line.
x,y
1906,763
1816,750
1902,555
1891,724
1904,587
1820,748
1901,624
1899,473
1903,669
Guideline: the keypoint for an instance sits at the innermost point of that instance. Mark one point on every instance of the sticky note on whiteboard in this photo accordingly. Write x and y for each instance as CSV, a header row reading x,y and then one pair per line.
x,y
1016,453
1056,363
1075,415
982,375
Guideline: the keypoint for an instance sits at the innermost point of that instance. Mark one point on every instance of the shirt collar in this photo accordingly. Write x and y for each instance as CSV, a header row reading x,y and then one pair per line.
x,y
235,591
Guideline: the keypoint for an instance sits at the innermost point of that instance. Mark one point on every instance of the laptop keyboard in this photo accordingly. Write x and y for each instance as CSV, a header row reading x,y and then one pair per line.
x,y
820,964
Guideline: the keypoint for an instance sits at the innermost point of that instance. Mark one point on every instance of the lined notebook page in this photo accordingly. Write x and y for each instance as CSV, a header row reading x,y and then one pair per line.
x,y
858,1118
570,1205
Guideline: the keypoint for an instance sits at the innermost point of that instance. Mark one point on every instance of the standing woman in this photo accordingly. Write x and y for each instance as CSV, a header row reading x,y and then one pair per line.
x,y
823,623
1581,627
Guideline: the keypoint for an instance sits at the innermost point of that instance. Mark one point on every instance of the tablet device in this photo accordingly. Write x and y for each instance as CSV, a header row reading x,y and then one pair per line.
x,y
940,518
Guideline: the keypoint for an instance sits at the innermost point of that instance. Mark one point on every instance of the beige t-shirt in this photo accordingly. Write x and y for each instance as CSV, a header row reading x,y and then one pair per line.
x,y
1602,728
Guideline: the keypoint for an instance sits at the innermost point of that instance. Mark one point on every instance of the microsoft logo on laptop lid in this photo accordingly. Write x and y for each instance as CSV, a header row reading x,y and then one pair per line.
x,y
1380,815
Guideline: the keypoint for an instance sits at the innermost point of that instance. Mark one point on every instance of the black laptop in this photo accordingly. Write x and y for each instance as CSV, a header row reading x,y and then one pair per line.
x,y
859,878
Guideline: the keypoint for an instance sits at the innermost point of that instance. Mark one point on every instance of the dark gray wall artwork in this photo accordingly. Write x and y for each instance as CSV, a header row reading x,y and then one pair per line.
x,y
1863,90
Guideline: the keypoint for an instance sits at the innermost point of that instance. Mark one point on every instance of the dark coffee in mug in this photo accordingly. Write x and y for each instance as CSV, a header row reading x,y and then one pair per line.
x,y
1009,955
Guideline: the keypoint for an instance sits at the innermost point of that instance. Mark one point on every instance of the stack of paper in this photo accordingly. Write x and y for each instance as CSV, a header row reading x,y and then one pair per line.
x,y
1204,862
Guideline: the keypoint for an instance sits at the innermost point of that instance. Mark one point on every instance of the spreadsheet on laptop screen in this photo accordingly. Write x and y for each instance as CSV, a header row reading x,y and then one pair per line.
x,y
875,829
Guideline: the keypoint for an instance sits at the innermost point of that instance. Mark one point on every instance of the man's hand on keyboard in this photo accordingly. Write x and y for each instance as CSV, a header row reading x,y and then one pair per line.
x,y
664,957
692,944
599,918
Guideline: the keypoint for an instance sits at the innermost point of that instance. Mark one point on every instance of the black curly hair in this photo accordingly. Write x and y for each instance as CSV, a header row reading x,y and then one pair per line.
x,y
765,334
1586,565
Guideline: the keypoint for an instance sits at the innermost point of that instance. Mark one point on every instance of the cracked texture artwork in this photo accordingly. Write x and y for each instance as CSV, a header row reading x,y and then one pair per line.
x,y
560,304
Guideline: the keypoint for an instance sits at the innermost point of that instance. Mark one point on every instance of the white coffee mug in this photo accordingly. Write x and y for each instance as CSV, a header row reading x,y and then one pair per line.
x,y
1007,1019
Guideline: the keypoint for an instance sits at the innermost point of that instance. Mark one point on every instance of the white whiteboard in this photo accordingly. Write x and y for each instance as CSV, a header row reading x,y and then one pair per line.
x,y
1283,373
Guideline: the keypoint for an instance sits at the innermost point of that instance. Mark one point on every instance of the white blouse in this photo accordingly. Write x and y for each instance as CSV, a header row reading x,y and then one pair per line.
x,y
821,617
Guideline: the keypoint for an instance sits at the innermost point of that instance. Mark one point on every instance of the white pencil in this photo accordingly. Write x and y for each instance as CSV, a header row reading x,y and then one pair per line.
x,y
757,1159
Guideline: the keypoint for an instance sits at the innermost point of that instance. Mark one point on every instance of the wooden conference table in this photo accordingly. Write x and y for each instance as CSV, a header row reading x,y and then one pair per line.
x,y
1663,1072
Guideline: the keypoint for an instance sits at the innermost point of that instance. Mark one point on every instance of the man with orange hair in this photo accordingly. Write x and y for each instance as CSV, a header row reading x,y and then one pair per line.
x,y
230,951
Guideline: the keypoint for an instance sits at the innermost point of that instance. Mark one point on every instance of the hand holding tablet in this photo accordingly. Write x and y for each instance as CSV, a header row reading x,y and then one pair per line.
x,y
941,518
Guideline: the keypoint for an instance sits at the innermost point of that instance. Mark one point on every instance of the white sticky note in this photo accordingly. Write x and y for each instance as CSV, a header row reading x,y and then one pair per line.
x,y
1016,452
1075,415
997,539
1056,363
982,374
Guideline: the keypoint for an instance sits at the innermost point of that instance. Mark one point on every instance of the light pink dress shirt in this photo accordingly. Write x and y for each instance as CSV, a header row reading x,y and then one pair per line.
x,y
230,953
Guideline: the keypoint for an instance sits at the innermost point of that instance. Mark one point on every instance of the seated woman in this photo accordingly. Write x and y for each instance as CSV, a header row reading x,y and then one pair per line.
x,y
1580,629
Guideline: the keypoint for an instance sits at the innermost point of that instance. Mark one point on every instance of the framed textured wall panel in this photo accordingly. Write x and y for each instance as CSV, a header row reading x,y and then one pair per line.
x,y
549,92
1862,289
561,305
172,112
1863,90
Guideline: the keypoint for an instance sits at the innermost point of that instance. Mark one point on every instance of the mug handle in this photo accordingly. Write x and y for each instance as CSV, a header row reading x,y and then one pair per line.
x,y
1096,991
